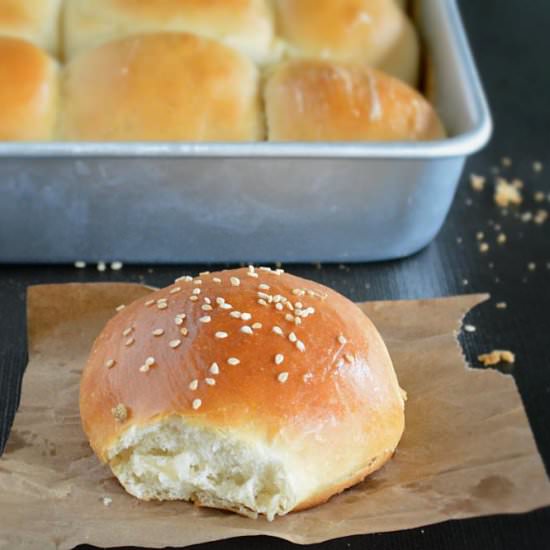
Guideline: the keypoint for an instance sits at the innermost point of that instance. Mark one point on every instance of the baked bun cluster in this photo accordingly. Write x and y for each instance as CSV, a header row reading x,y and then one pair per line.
x,y
198,70
247,390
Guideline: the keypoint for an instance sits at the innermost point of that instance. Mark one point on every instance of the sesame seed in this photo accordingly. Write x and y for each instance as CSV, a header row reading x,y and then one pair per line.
x,y
252,274
196,291
226,306
162,300
263,268
207,307
150,361
193,386
279,358
342,340
129,342
144,368
204,273
149,303
341,363
197,404
501,305
117,266
174,344
264,296
120,413
120,307
210,381
289,306
279,306
257,326
101,266
178,321
110,363
216,280
214,368
292,337
298,321
184,331
279,272
235,314
235,281
158,332
207,300
175,290
301,346
349,357
483,248
220,301
251,268
263,286
299,305
162,305
233,361
307,377
247,330
193,298
278,330
289,317
262,302
80,264
197,282
298,292
246,316
282,377
127,331
185,278
469,328
221,335
205,319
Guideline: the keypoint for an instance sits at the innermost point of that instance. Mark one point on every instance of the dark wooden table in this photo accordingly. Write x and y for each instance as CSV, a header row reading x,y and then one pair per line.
x,y
511,39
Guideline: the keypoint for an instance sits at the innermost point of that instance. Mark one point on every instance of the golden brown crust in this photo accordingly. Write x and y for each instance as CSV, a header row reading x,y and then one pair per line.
x,y
28,91
164,87
338,413
33,20
246,25
372,32
327,101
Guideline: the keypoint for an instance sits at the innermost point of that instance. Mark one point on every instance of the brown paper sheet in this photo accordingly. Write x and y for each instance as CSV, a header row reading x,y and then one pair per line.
x,y
467,450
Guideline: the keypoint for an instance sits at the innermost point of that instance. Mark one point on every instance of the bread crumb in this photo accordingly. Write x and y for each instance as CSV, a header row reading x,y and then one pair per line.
x,y
539,196
101,266
483,248
107,501
506,193
465,282
537,166
517,183
506,161
526,217
531,266
501,239
469,328
480,235
120,413
116,266
501,305
541,216
80,264
496,356
477,182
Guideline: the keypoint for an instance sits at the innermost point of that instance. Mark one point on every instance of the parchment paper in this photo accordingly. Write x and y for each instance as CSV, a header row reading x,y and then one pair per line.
x,y
467,450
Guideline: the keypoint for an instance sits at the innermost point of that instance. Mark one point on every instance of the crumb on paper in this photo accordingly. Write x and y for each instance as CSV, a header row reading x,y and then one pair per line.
x,y
537,166
477,182
531,266
116,266
539,196
101,266
470,328
120,413
79,264
480,235
496,357
507,193
506,161
501,239
541,216
483,248
107,501
501,305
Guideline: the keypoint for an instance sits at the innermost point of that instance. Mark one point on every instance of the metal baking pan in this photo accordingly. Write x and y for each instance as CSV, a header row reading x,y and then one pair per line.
x,y
259,202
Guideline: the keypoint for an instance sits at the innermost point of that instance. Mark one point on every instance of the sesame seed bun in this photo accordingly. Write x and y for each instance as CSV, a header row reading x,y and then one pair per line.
x,y
247,390
246,25
28,92
316,100
376,33
161,87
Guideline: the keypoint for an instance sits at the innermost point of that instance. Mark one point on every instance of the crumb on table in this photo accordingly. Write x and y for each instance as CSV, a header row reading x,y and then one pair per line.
x,y
507,193
497,356
477,182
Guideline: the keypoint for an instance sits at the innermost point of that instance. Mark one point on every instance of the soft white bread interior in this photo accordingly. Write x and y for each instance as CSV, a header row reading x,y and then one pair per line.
x,y
28,92
162,87
246,25
249,390
376,33
34,20
327,101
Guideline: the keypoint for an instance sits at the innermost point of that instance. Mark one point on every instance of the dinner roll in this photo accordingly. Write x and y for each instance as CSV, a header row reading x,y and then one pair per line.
x,y
28,91
162,87
248,390
373,32
246,25
326,101
33,20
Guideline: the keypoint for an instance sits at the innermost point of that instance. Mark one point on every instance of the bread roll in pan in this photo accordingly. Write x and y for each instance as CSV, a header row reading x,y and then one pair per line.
x,y
260,202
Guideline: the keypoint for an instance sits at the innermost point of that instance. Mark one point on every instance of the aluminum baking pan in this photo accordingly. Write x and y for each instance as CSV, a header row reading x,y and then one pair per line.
x,y
260,202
